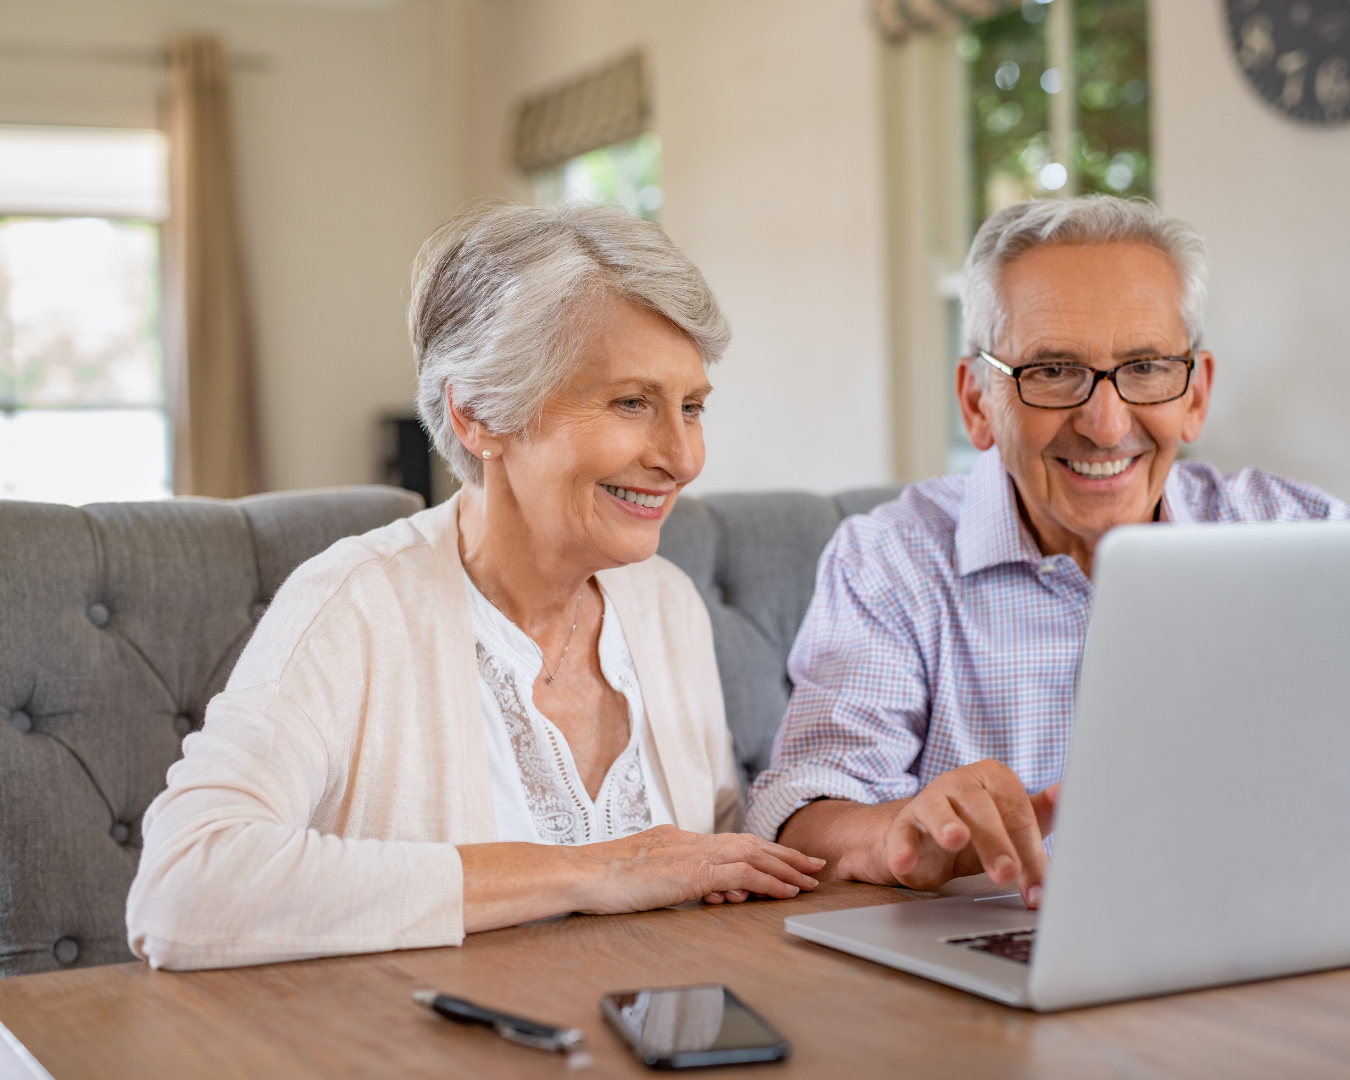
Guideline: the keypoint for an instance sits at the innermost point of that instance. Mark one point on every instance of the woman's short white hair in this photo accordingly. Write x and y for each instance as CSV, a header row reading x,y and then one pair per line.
x,y
1093,219
502,299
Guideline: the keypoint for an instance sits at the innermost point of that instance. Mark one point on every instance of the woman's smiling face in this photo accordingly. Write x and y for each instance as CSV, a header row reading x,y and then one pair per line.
x,y
613,448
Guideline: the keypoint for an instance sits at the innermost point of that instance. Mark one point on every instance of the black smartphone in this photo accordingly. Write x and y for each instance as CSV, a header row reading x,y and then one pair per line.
x,y
684,1027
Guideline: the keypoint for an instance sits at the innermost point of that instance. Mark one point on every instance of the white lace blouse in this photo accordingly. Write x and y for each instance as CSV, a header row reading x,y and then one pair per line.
x,y
537,793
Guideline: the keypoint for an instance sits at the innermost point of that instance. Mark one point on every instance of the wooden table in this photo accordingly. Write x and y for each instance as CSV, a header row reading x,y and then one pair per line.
x,y
845,1017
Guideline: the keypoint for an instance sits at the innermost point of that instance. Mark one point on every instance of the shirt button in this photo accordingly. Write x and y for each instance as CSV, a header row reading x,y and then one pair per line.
x,y
66,950
1046,567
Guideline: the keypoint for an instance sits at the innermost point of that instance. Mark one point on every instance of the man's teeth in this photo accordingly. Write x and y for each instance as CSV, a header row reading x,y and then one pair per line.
x,y
1100,468
633,497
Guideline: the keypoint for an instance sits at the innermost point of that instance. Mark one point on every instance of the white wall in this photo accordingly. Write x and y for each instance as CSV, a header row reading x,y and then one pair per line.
x,y
374,120
769,115
1272,198
346,162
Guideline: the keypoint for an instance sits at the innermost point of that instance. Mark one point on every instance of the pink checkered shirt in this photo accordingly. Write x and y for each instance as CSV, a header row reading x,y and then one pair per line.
x,y
939,635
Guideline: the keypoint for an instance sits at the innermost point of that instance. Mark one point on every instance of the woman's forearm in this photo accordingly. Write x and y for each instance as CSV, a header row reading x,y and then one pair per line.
x,y
510,883
220,886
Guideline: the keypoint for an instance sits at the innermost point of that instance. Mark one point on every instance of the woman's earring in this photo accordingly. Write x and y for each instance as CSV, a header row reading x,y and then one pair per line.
x,y
487,454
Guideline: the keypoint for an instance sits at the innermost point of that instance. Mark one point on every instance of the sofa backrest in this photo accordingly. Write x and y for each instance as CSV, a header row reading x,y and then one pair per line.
x,y
753,558
120,621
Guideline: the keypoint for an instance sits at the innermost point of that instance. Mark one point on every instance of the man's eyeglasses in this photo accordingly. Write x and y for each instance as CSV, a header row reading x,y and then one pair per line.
x,y
1150,380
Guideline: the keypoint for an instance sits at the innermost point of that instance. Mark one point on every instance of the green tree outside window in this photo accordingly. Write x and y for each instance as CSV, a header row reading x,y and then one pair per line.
x,y
1012,80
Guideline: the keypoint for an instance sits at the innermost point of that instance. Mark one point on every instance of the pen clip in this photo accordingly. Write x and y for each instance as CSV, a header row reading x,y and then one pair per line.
x,y
516,1029
561,1039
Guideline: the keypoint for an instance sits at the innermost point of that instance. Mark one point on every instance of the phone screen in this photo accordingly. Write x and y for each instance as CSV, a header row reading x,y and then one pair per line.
x,y
688,1026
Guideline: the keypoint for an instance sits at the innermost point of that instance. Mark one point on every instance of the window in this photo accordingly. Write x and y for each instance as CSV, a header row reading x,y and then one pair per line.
x,y
1058,105
627,173
1059,101
82,400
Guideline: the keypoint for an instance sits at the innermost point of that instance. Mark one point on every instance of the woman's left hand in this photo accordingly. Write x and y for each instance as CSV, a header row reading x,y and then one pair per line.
x,y
510,883
666,865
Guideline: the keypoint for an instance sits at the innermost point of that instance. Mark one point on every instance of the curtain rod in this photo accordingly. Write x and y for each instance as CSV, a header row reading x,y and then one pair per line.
x,y
130,55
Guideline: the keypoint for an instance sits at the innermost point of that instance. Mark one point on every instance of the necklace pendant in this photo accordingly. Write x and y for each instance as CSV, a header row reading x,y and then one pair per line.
x,y
550,680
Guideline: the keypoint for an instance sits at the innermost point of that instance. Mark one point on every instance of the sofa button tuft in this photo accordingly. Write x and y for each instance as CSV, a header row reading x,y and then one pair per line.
x,y
99,614
66,950
121,832
182,723
258,610
23,723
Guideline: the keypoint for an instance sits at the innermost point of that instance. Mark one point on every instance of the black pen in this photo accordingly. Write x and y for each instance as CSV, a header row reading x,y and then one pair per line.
x,y
515,1028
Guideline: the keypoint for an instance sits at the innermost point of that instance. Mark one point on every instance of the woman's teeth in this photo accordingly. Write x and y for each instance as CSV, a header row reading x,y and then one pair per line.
x,y
633,497
1100,468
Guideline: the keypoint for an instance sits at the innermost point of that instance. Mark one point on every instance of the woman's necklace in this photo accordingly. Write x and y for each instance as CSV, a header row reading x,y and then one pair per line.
x,y
553,674
576,614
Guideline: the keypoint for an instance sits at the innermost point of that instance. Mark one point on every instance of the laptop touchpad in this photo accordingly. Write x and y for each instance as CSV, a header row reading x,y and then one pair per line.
x,y
1012,901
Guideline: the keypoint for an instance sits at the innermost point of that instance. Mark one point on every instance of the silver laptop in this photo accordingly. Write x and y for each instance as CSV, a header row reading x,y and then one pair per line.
x,y
1209,773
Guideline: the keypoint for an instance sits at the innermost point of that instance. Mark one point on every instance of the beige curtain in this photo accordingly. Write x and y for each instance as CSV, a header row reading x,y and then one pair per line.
x,y
209,348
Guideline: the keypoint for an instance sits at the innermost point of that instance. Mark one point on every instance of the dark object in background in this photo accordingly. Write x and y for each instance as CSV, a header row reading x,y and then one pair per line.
x,y
1297,63
406,455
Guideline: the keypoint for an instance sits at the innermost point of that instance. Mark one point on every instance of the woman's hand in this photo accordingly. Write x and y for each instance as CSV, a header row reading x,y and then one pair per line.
x,y
510,883
666,865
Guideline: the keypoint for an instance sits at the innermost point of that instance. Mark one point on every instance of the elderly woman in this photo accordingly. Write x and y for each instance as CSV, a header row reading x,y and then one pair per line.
x,y
506,707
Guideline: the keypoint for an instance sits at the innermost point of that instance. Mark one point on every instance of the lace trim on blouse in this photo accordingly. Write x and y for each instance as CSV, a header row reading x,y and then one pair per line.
x,y
562,812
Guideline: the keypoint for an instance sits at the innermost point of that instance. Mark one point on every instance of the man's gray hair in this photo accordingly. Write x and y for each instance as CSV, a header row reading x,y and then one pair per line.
x,y
1093,219
503,298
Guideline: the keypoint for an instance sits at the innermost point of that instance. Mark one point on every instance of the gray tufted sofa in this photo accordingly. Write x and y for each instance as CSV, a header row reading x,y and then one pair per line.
x,y
119,621
753,558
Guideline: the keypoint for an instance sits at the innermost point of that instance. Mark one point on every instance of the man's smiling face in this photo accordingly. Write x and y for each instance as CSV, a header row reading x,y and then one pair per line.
x,y
1081,472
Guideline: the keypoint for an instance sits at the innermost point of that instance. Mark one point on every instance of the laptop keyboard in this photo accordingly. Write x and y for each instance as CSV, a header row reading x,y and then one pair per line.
x,y
1011,945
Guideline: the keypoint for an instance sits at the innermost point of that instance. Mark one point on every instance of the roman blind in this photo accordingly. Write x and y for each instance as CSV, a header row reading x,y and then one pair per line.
x,y
602,107
100,172
899,19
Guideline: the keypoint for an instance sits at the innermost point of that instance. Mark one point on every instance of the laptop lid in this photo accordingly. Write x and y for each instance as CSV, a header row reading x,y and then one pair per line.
x,y
1210,763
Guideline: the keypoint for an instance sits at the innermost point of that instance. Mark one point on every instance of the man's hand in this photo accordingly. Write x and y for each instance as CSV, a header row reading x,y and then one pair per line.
x,y
977,817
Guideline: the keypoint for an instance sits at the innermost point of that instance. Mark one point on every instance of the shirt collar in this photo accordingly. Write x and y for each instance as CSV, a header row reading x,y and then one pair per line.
x,y
989,531
1175,509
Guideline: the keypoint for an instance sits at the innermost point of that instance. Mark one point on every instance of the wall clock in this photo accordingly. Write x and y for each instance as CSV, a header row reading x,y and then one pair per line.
x,y
1296,53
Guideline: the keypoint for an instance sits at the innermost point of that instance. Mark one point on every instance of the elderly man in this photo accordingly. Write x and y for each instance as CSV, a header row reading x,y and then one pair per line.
x,y
934,673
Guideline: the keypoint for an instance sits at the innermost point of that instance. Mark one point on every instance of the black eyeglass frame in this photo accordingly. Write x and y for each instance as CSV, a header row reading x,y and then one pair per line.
x,y
1098,375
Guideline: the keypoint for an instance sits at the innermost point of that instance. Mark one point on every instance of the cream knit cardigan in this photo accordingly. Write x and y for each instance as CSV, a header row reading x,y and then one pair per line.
x,y
317,811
